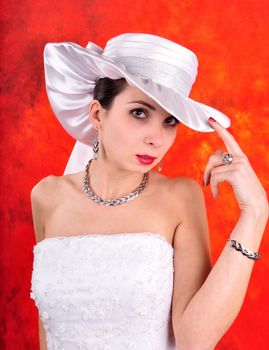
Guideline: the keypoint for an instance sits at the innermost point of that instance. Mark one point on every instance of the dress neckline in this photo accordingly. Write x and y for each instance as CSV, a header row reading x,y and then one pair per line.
x,y
152,234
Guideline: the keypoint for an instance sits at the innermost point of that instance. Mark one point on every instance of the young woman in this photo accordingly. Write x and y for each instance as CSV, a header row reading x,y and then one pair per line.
x,y
122,259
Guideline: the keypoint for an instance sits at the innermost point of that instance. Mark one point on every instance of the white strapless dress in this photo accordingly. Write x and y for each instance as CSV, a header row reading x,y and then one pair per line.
x,y
105,292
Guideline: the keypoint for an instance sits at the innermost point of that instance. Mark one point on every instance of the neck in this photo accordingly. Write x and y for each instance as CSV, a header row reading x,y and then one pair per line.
x,y
109,181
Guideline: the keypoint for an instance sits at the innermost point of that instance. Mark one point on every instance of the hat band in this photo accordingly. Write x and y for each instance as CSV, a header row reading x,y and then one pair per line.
x,y
159,72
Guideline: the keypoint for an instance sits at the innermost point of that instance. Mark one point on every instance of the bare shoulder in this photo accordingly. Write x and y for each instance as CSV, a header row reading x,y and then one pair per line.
x,y
178,188
187,191
48,188
182,189
187,185
193,225
42,191
43,199
187,197
46,196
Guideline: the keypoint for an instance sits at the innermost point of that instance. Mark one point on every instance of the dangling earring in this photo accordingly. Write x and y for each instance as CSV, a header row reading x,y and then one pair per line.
x,y
95,146
160,166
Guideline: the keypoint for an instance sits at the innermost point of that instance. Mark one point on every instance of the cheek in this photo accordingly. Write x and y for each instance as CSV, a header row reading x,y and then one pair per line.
x,y
171,139
119,136
174,136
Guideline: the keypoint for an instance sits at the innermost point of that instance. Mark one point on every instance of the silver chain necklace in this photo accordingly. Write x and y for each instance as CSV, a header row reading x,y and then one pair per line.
x,y
97,199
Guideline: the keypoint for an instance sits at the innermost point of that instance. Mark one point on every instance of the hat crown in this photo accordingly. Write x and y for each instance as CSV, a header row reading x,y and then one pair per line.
x,y
156,58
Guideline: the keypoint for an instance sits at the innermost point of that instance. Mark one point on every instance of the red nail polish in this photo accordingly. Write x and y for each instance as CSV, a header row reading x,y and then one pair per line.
x,y
212,119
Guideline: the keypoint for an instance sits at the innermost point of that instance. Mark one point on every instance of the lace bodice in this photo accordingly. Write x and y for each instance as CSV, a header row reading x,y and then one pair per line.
x,y
105,292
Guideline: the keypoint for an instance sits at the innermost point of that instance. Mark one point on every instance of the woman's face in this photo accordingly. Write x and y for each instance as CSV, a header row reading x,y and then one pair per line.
x,y
132,128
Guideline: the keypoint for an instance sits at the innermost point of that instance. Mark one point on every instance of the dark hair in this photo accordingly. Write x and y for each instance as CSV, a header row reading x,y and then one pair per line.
x,y
107,89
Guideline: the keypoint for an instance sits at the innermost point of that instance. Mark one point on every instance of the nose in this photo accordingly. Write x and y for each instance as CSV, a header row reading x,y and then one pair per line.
x,y
155,136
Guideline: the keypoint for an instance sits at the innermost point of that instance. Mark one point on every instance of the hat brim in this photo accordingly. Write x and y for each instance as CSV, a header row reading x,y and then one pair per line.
x,y
71,72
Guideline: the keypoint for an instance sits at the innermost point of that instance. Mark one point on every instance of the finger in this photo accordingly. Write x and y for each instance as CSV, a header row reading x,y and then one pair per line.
x,y
214,160
215,164
227,138
218,178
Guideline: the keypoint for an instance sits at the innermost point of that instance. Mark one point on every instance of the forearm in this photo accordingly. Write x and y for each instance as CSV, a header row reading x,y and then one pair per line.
x,y
215,306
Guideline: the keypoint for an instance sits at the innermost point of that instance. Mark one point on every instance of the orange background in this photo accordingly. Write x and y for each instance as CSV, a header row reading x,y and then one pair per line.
x,y
230,39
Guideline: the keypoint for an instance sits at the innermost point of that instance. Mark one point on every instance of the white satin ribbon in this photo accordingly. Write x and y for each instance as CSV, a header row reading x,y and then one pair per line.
x,y
79,158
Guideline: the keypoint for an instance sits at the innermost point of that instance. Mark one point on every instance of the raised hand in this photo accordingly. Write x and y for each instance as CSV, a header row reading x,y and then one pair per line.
x,y
247,188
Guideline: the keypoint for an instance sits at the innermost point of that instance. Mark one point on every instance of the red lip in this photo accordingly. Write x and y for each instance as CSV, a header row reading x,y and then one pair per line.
x,y
145,160
146,156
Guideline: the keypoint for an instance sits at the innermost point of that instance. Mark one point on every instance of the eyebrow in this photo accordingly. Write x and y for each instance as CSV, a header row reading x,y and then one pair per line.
x,y
145,104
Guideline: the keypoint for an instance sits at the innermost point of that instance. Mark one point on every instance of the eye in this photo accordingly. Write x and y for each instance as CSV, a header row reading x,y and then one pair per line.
x,y
137,115
173,119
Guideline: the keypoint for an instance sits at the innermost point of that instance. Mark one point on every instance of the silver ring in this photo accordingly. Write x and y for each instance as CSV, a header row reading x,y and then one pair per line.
x,y
227,158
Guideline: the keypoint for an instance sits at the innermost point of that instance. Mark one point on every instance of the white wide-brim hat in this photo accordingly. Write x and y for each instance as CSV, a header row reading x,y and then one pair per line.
x,y
162,69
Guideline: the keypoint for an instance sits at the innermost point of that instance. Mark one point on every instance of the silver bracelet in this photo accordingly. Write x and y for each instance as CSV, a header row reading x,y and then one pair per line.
x,y
238,246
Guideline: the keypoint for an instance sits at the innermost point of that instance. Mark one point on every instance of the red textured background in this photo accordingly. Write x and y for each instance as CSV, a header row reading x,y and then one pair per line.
x,y
230,39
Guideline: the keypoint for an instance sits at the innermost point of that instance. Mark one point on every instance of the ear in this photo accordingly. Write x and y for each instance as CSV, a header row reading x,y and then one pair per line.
x,y
95,111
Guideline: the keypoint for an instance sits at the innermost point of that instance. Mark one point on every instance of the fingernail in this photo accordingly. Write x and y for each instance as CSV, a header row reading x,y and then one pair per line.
x,y
212,119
